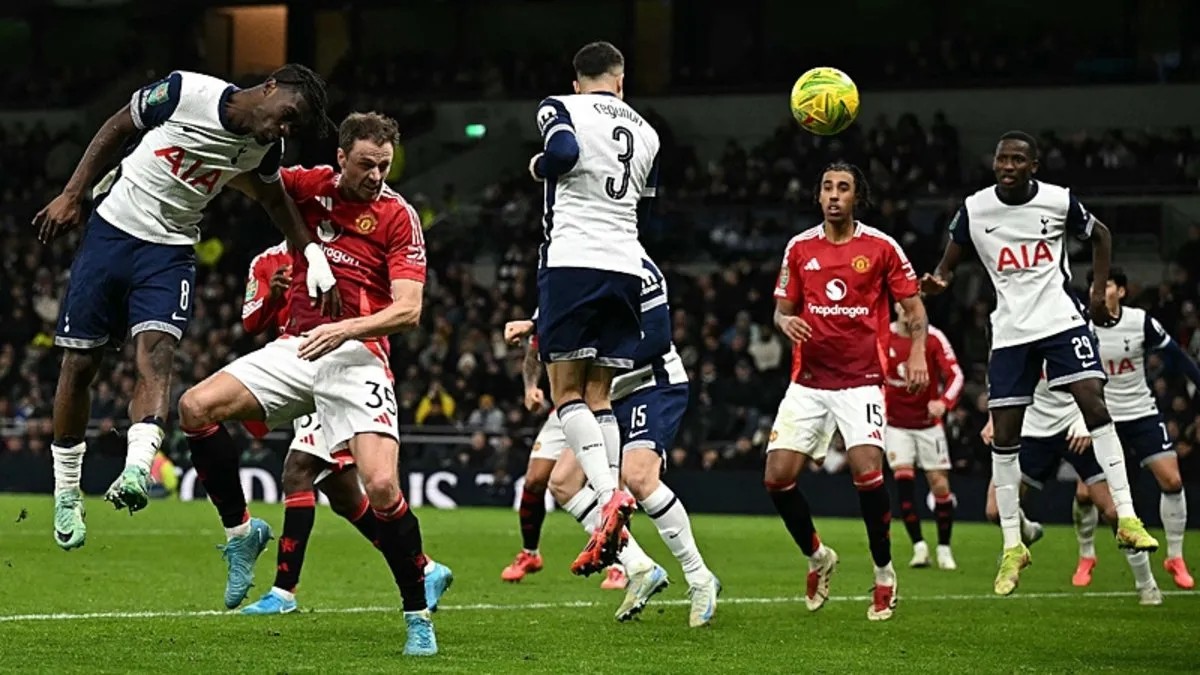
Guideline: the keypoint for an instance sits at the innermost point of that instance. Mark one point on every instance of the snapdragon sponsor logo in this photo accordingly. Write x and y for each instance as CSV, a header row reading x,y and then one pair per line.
x,y
838,310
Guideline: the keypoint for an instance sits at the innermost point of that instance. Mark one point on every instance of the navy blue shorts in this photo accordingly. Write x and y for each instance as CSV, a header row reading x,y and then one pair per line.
x,y
1146,439
121,285
1040,458
1069,356
650,418
589,314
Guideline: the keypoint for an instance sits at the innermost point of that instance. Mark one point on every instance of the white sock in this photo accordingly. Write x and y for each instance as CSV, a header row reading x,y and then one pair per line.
x,y
612,442
585,507
68,466
1085,517
144,440
1027,528
585,437
886,575
428,565
1172,508
1139,562
532,552
236,531
1111,457
675,528
286,595
1006,474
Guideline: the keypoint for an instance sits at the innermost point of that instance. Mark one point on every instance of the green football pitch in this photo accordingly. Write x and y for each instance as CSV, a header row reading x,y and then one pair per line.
x,y
144,595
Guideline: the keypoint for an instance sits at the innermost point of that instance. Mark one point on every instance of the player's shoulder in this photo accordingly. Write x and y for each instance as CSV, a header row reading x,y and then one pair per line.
x,y
200,83
303,182
270,256
803,239
982,197
879,239
396,208
1136,315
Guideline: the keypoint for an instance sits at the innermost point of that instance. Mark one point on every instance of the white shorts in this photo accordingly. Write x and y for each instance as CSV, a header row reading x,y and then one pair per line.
x,y
350,389
310,440
924,449
808,417
550,441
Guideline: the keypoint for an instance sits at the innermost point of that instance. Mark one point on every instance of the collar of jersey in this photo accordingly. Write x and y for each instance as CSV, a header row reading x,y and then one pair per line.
x,y
1032,194
601,93
858,226
224,117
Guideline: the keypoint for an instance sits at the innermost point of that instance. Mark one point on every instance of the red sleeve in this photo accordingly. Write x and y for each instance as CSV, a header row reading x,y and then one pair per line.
x,y
947,364
406,246
259,311
901,279
789,286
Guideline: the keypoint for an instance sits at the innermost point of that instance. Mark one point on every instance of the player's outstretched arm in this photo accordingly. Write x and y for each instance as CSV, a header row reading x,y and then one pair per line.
x,y
1101,239
322,287
403,313
960,237
1157,339
916,374
64,212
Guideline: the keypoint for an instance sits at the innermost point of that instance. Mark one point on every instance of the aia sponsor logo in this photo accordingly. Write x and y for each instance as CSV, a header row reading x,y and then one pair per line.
x,y
1024,256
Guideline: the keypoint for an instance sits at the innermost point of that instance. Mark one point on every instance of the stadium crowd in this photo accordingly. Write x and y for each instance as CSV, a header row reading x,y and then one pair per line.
x,y
718,234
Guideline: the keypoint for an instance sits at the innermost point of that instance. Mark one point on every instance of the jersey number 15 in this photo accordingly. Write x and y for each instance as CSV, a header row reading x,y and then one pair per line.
x,y
617,191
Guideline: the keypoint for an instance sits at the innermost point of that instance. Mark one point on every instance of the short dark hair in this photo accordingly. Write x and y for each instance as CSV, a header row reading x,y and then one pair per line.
x,y
368,126
312,89
862,189
1115,275
1027,139
596,59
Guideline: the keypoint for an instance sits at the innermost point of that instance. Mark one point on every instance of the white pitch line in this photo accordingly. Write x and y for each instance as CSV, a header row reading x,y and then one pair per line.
x,y
576,604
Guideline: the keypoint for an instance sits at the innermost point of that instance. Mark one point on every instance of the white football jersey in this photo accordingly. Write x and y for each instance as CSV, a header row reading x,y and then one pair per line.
x,y
183,159
1051,413
653,369
1123,350
591,217
1024,248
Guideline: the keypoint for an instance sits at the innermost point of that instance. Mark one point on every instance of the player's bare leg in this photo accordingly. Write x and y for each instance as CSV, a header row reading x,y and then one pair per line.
x,y
1006,475
532,514
641,469
1172,508
378,459
943,513
72,410
866,466
1085,518
1089,396
202,411
569,487
580,391
154,358
780,476
1139,561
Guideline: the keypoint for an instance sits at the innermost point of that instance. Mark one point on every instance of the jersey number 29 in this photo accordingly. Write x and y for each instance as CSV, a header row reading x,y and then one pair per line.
x,y
625,138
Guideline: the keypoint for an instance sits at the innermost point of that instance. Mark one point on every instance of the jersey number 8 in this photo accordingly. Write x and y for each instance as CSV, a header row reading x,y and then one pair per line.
x,y
625,137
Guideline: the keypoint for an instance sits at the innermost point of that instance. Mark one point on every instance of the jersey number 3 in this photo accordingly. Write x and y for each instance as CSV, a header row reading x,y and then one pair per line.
x,y
625,138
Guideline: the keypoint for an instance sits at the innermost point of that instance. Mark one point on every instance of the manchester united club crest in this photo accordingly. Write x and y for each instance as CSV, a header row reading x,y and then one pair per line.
x,y
774,436
365,223
537,446
861,264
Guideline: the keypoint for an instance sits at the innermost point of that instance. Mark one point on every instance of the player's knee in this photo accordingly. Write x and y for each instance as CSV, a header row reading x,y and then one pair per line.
x,y
1171,483
536,482
939,484
156,354
193,412
641,484
383,489
297,477
562,488
80,367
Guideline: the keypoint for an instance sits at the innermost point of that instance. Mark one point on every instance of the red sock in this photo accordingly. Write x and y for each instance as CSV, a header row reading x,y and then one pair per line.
x,y
298,516
877,514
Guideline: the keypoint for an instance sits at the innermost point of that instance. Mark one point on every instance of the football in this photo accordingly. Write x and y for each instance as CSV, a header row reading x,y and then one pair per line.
x,y
824,101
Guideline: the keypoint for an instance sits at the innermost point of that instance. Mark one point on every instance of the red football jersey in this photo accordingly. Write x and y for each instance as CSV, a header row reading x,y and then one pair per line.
x,y
841,290
910,410
368,244
258,310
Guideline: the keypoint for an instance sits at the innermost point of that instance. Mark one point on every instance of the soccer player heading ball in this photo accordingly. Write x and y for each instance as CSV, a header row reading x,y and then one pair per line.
x,y
1018,228
832,302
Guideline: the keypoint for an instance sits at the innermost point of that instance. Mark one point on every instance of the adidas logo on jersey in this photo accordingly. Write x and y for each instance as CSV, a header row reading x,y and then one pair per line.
x,y
812,265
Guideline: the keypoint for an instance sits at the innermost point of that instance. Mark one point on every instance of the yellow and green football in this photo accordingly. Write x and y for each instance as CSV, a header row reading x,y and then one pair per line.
x,y
825,101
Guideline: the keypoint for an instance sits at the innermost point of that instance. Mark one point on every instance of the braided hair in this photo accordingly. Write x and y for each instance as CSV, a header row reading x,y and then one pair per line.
x,y
312,89
862,189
